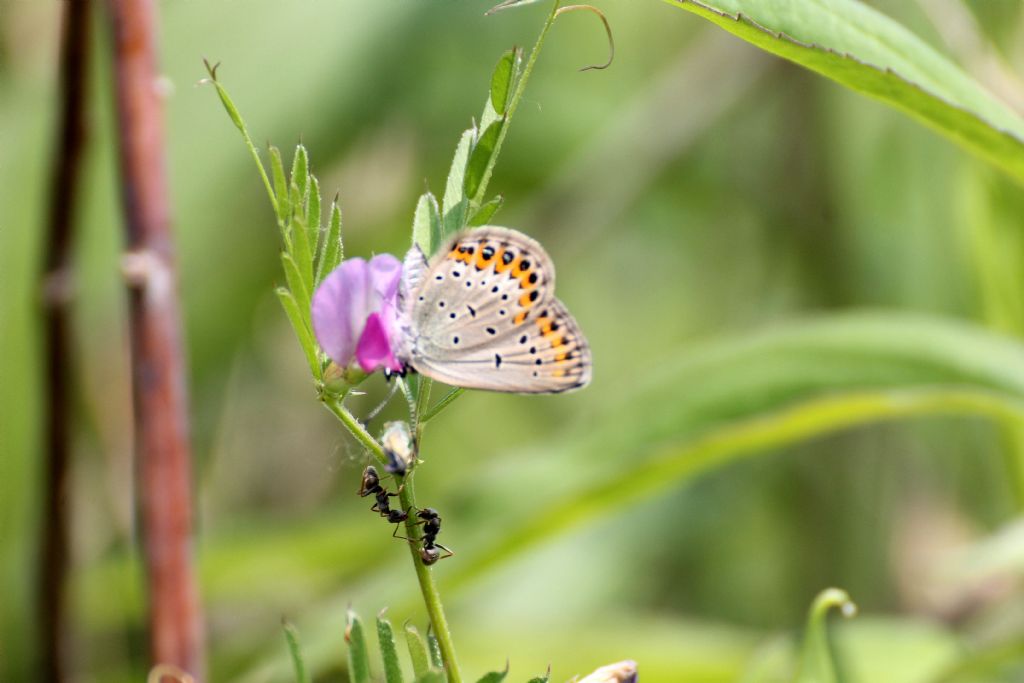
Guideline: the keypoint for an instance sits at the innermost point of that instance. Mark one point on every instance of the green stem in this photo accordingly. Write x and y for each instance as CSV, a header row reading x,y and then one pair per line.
x,y
239,122
407,496
431,596
513,104
441,405
356,428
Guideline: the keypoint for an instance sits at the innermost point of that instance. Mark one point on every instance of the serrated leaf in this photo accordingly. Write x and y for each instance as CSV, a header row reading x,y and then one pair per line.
x,y
417,651
454,186
817,658
300,170
291,636
280,186
302,332
358,659
494,676
388,651
503,79
426,224
856,45
479,167
313,214
435,651
332,250
487,211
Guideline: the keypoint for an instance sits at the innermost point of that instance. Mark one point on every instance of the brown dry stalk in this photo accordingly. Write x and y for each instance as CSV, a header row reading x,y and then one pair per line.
x,y
163,457
56,291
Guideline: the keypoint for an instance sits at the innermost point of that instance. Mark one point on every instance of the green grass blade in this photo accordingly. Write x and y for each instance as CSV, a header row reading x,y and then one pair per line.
x,y
358,658
291,636
417,651
745,397
388,650
856,45
817,658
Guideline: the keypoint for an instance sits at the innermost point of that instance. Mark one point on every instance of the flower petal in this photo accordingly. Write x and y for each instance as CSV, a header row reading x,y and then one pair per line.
x,y
339,310
374,349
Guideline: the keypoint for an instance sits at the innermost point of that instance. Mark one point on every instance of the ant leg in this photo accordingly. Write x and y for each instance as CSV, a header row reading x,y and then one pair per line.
x,y
447,550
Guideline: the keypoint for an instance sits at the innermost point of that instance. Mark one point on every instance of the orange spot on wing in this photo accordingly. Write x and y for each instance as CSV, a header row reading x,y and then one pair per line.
x,y
520,318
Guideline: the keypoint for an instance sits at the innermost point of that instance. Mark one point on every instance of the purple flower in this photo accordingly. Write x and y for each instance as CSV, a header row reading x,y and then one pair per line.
x,y
355,313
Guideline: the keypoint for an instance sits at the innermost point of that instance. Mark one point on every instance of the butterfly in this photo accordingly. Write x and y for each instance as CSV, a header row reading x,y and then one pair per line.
x,y
482,314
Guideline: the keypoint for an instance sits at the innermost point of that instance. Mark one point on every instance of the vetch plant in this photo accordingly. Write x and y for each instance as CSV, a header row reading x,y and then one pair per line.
x,y
481,313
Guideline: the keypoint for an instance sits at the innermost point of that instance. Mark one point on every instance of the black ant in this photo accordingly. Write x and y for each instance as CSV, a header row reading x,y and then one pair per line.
x,y
430,553
371,484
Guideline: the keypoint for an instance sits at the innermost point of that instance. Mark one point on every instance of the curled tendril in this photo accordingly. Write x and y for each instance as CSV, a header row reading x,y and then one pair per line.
x,y
607,29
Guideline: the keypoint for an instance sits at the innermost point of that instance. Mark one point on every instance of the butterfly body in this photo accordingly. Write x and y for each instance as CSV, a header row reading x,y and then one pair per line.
x,y
482,314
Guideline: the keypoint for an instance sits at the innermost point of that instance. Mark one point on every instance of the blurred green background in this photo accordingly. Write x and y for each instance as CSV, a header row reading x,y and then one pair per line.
x,y
693,194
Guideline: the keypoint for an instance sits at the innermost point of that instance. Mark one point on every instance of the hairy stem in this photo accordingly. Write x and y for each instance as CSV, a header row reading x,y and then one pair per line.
x,y
407,496
513,104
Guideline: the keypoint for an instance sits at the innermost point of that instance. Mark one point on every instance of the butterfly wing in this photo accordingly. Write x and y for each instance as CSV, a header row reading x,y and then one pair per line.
x,y
483,315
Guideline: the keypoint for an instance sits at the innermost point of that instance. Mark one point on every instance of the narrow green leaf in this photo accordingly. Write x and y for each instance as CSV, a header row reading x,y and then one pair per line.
x,y
454,219
487,211
417,651
388,650
432,676
302,332
454,187
494,676
502,80
332,250
480,161
296,284
817,658
236,118
435,651
280,186
542,679
426,224
856,45
313,215
445,401
358,659
291,636
300,170
301,250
